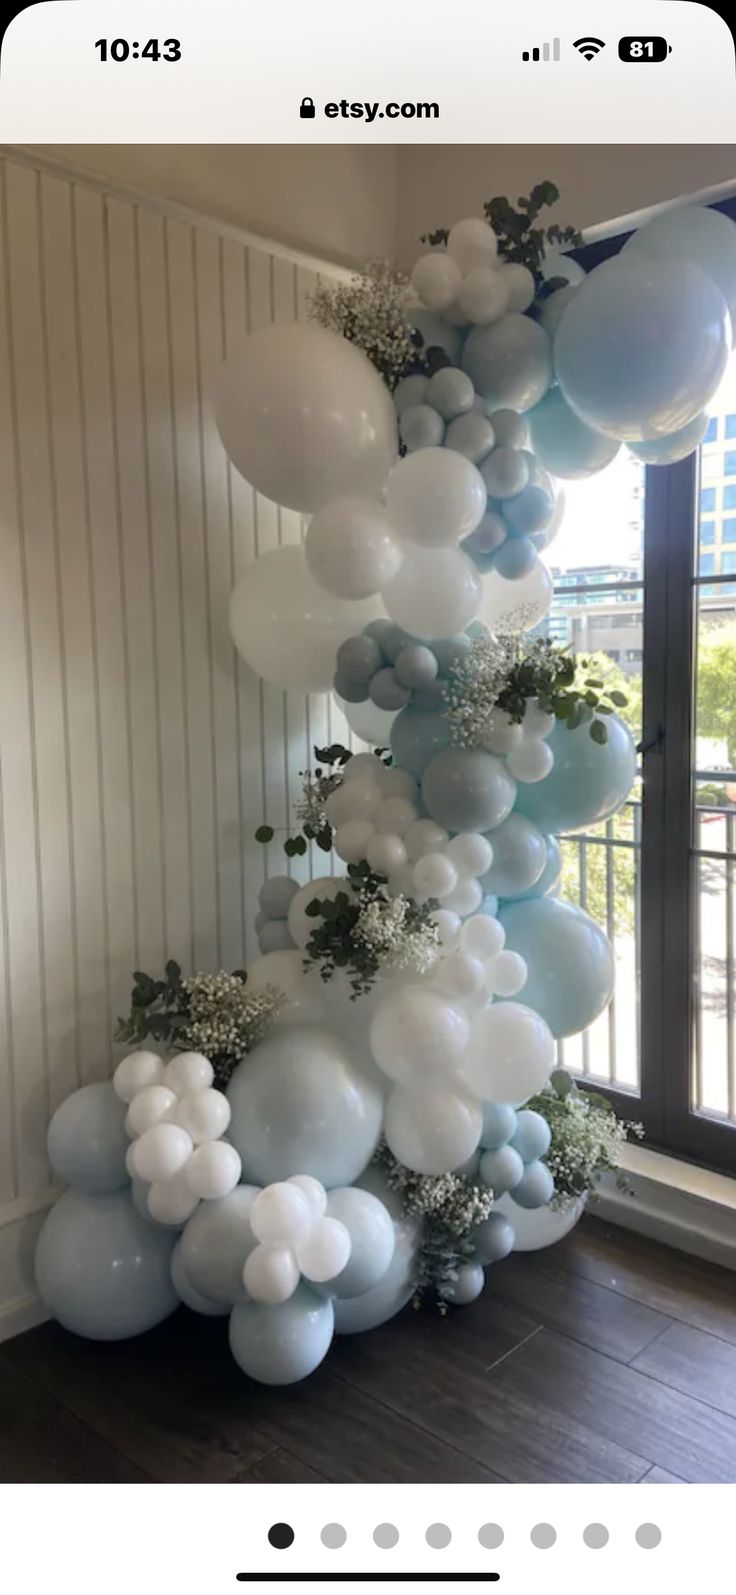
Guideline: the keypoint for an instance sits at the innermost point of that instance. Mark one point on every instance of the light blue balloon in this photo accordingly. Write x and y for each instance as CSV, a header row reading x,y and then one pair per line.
x,y
696,233
421,427
408,393
87,1141
467,1287
275,896
499,1124
381,631
188,1293
489,906
587,783
643,346
372,1239
515,559
281,1345
416,666
393,639
667,451
553,309
536,1186
519,857
433,697
501,1170
505,473
549,879
416,736
300,1105
448,651
530,512
465,789
450,392
275,937
565,445
493,1239
510,428
101,1270
569,961
532,1135
510,362
386,692
349,688
215,1244
489,535
397,1285
470,435
436,333
358,658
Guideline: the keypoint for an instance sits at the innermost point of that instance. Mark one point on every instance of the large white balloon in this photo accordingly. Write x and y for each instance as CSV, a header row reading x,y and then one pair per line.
x,y
350,548
303,993
367,721
286,627
431,1129
304,416
417,1036
437,592
435,497
516,605
511,1053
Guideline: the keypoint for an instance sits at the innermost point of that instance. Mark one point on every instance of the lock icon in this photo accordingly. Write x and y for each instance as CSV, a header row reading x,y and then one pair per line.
x,y
306,109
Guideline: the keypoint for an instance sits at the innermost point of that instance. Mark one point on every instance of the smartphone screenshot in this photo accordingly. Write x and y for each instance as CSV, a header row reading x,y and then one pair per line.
x,y
367,797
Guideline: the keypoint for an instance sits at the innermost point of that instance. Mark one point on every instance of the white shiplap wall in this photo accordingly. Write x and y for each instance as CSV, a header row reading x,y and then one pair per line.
x,y
137,753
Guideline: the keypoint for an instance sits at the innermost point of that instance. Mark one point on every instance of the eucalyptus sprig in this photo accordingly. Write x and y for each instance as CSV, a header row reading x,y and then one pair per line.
x,y
214,1014
450,1206
362,930
520,241
587,1137
507,674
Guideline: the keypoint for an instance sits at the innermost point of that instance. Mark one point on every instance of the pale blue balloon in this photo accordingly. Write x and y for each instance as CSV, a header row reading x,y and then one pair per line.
x,y
300,1105
372,1239
667,451
501,1170
587,783
416,666
421,427
436,333
216,1242
281,1345
696,233
493,1239
530,512
449,651
349,688
532,1135
188,1293
519,857
536,1186
358,658
553,309
466,1287
505,473
570,969
550,877
381,631
386,692
450,392
432,698
470,435
510,362
275,896
101,1270
488,535
275,937
87,1141
515,558
510,428
489,906
643,346
499,1124
567,446
397,1285
409,392
393,639
416,736
465,789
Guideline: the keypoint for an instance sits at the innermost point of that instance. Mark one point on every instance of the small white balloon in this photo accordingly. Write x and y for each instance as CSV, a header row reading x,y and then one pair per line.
x,y
519,284
351,840
436,279
386,854
465,897
148,1107
271,1274
134,1073
395,815
213,1170
171,1201
501,733
537,722
432,1129
507,974
472,242
471,853
353,800
188,1071
281,1214
435,497
314,1192
325,1251
461,975
435,875
160,1152
483,296
449,926
531,761
205,1114
424,836
511,1054
482,936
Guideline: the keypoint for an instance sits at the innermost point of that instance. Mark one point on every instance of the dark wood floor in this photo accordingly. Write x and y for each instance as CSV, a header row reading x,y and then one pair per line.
x,y
606,1359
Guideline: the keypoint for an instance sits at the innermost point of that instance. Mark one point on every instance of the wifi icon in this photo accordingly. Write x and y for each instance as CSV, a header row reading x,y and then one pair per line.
x,y
590,48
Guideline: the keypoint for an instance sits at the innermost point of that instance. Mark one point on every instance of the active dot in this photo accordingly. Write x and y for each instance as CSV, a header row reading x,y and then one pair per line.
x,y
648,1536
333,1536
543,1536
438,1536
596,1536
386,1536
491,1536
281,1536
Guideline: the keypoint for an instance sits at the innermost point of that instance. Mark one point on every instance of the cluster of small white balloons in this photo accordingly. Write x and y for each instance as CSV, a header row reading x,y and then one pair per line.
x,y
467,281
175,1120
524,745
296,1239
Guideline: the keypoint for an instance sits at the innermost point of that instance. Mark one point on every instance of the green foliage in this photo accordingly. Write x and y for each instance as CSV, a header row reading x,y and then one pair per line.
x,y
316,787
450,1206
504,673
362,929
587,1136
158,1008
212,1014
520,240
716,687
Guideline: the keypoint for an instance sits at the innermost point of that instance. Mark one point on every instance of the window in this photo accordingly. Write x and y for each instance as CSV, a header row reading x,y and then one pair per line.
x,y
708,532
712,431
728,562
729,498
707,564
728,530
730,427
729,462
708,498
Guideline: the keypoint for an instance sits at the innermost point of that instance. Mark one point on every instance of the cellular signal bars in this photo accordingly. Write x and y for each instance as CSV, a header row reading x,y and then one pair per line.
x,y
548,52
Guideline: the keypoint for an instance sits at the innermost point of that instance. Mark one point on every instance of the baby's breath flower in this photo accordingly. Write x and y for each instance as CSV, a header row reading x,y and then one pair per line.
x,y
587,1139
370,311
450,1206
392,933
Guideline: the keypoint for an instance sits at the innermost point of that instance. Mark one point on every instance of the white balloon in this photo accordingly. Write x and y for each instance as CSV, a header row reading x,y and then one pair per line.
x,y
424,836
464,898
430,1129
134,1073
314,1192
325,1251
213,1170
365,767
472,242
286,627
188,1071
353,800
204,1114
271,1274
436,279
461,975
395,816
449,926
385,854
323,886
471,853
148,1107
435,497
556,264
437,592
281,1214
160,1152
519,284
531,761
482,936
516,605
367,721
501,734
171,1201
351,840
398,783
416,1036
537,722
304,416
435,875
350,548
303,995
507,974
511,1054
483,296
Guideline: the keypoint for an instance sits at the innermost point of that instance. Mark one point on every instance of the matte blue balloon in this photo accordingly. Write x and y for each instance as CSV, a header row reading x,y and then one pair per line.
x,y
535,1188
87,1141
510,362
348,688
470,435
505,473
397,1286
501,1170
510,428
667,451
697,233
588,782
448,651
567,446
416,736
570,970
499,1124
465,789
416,666
409,392
421,427
550,876
381,631
530,512
483,562
433,697
489,535
101,1269
532,1135
358,658
450,392
515,559
393,640
519,857
436,332
492,1239
386,692
275,937
275,896
489,906
281,1345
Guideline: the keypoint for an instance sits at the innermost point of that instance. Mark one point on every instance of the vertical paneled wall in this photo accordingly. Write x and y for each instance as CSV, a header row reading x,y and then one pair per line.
x,y
137,753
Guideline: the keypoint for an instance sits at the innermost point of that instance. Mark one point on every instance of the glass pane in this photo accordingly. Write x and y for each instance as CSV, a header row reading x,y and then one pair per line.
x,y
713,1085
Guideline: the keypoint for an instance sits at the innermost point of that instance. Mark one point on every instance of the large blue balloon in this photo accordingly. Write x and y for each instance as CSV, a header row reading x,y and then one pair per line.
x,y
416,735
588,782
696,233
87,1141
549,879
465,789
667,451
397,1285
565,444
519,857
101,1270
569,960
280,1345
510,362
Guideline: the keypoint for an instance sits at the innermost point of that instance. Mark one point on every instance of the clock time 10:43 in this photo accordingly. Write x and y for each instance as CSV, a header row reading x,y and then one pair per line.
x,y
134,50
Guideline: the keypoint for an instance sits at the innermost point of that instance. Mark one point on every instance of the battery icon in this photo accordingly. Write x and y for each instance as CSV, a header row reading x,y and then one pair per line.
x,y
640,47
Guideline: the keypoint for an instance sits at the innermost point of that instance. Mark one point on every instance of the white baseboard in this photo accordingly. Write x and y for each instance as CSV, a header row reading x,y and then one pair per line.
x,y
677,1203
22,1314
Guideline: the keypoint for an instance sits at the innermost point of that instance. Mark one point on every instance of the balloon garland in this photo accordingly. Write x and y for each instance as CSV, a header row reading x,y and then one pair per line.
x,y
349,1120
